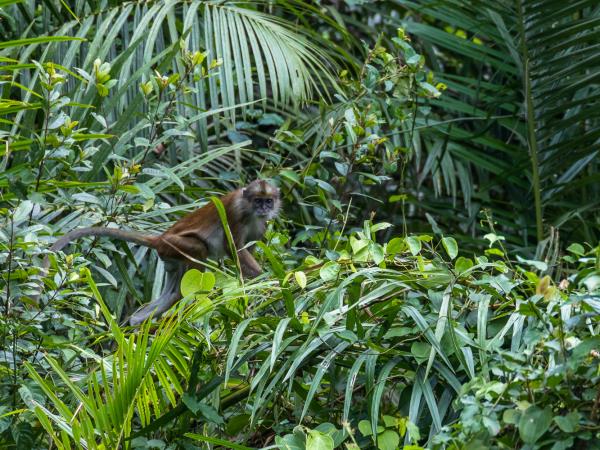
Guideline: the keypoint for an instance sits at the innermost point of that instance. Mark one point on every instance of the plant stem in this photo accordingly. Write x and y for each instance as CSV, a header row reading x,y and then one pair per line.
x,y
531,138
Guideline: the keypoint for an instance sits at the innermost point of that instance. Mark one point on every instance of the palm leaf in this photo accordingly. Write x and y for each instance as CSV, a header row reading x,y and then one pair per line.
x,y
531,67
262,56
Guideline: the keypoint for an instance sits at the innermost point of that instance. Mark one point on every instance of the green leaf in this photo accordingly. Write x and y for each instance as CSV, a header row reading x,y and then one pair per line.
x,y
22,211
568,423
376,252
539,265
237,423
86,198
389,421
377,395
329,429
195,281
492,237
450,246
420,350
300,279
358,245
364,426
205,410
318,441
396,245
582,350
414,433
463,264
511,416
291,442
216,441
38,40
329,271
233,346
414,245
351,380
494,251
388,440
380,226
290,175
534,423
576,249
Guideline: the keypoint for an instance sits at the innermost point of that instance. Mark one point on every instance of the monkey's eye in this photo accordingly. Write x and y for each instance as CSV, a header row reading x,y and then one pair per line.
x,y
269,202
258,202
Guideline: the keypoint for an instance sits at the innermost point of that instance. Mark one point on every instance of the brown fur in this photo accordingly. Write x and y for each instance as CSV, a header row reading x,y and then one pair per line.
x,y
195,237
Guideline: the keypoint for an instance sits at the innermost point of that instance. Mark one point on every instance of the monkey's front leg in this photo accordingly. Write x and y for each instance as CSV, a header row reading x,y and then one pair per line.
x,y
250,268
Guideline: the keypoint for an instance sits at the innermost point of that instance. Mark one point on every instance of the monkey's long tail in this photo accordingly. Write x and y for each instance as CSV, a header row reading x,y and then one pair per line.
x,y
130,236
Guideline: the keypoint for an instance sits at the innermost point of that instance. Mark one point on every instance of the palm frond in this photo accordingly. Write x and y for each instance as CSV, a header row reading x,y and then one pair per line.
x,y
526,100
257,56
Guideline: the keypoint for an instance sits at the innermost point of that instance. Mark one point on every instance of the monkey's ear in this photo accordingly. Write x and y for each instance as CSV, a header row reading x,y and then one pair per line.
x,y
245,193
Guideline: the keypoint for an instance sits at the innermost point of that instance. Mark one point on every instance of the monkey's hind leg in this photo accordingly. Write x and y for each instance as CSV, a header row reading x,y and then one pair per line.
x,y
171,293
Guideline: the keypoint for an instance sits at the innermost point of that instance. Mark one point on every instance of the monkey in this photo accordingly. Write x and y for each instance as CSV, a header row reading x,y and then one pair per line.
x,y
195,237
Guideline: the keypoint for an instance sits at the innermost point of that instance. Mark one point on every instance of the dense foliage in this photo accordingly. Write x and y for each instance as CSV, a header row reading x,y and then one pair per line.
x,y
389,127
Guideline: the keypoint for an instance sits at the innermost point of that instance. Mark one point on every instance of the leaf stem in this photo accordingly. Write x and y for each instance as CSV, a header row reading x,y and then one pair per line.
x,y
531,126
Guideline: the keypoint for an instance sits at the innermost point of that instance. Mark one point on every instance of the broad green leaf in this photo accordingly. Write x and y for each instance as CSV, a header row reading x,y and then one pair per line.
x,y
389,421
329,271
300,279
582,349
195,281
568,423
414,245
576,249
196,406
329,429
396,245
380,226
539,265
290,175
376,252
291,442
388,440
534,423
511,416
450,246
358,245
420,350
22,211
492,237
463,264
318,441
364,426
237,423
494,251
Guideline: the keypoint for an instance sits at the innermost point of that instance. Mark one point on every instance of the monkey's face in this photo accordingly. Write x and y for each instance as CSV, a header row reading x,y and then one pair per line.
x,y
262,198
263,207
